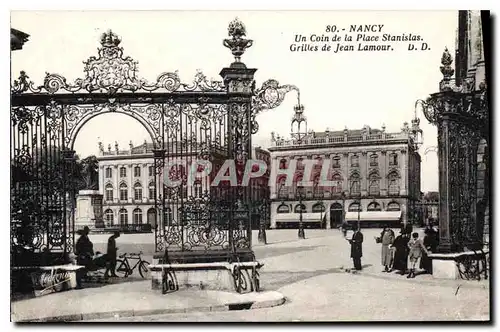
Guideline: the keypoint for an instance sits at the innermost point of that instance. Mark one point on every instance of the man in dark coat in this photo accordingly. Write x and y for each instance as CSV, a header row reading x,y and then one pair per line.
x,y
111,255
356,248
84,251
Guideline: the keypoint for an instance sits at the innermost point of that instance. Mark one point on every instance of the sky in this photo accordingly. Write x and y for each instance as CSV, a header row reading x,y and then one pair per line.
x,y
345,89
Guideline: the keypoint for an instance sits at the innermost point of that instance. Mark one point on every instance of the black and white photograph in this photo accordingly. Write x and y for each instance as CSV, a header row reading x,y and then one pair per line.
x,y
250,166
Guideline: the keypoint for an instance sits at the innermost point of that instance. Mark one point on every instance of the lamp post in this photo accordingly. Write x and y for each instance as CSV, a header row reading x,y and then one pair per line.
x,y
301,233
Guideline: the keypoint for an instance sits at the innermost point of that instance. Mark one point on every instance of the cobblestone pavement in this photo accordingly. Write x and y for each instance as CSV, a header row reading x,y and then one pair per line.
x,y
311,273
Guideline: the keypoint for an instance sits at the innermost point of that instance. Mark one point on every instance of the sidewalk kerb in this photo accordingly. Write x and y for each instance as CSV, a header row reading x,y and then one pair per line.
x,y
151,312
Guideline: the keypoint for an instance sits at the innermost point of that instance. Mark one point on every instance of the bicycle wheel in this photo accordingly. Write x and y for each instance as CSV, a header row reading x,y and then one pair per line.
x,y
143,269
122,269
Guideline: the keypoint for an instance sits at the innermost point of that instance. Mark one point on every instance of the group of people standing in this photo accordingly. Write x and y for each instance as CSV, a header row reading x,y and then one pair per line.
x,y
407,247
397,251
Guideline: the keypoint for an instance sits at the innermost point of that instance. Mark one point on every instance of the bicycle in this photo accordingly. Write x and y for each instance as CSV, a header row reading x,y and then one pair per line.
x,y
124,265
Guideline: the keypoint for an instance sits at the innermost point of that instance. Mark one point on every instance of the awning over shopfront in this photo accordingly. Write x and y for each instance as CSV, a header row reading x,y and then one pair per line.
x,y
374,216
294,217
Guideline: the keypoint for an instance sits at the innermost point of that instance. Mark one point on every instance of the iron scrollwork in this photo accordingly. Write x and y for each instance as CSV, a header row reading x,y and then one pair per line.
x,y
110,72
473,267
270,95
461,114
209,120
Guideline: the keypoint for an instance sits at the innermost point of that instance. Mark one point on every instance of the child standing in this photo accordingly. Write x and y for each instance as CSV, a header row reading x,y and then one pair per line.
x,y
416,247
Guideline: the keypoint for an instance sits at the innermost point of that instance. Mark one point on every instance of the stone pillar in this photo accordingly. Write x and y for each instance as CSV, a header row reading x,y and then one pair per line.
x,y
145,183
130,177
363,172
272,185
345,182
404,173
116,184
383,173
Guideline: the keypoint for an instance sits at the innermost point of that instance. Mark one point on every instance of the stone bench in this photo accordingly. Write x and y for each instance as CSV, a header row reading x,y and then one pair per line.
x,y
239,276
469,265
50,279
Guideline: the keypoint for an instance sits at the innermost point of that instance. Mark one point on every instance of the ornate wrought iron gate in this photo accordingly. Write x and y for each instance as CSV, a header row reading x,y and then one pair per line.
x,y
205,120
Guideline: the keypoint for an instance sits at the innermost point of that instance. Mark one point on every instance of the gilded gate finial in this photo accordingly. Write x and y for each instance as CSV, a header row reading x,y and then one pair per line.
x,y
446,61
237,44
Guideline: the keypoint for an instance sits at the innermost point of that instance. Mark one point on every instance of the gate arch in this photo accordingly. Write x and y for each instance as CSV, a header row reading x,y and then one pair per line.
x,y
76,117
46,119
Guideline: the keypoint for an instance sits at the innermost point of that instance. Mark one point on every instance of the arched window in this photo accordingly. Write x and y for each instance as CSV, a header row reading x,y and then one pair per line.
x,y
337,187
109,216
374,206
393,159
336,162
137,216
137,171
137,192
393,206
318,163
354,207
283,164
152,190
373,160
318,207
355,184
168,216
109,172
393,183
300,163
374,185
300,207
151,217
123,172
354,161
123,217
282,189
318,190
123,192
283,209
109,192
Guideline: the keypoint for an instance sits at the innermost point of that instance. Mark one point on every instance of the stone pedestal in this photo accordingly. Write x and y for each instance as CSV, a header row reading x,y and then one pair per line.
x,y
202,279
88,209
222,276
468,265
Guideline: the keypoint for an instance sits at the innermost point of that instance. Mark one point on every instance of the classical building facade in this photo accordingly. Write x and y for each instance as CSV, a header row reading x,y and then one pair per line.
x,y
127,183
375,176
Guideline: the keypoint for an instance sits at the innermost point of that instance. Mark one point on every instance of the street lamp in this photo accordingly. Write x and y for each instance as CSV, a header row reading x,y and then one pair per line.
x,y
300,194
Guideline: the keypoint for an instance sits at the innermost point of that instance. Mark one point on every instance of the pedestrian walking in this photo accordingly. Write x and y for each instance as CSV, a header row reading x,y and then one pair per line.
x,y
111,255
356,248
344,228
386,239
416,247
401,254
84,251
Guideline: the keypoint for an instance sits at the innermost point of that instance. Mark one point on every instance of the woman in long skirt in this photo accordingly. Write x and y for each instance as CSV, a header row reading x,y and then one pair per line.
x,y
386,239
401,254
